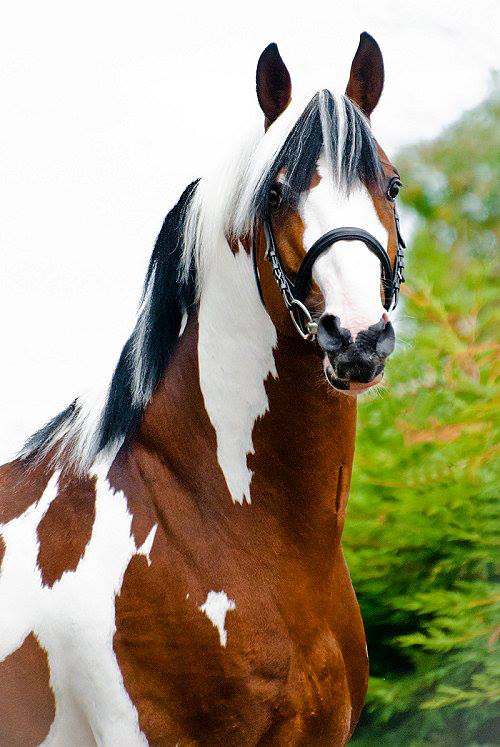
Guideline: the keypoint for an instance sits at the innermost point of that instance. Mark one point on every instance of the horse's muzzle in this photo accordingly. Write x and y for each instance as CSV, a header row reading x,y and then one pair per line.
x,y
354,365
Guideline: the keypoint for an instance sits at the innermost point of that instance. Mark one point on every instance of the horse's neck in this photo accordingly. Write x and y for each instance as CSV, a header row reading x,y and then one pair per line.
x,y
244,416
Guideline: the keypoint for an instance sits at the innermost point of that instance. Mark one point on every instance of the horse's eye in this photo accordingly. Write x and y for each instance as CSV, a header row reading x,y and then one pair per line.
x,y
393,188
274,196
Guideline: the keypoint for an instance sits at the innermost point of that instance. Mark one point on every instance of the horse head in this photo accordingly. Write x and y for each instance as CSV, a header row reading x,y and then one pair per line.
x,y
327,220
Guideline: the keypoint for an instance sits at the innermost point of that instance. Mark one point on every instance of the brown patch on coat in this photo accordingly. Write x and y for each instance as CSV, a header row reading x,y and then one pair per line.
x,y
2,551
66,528
27,705
126,474
168,651
20,487
257,690
289,236
297,445
295,660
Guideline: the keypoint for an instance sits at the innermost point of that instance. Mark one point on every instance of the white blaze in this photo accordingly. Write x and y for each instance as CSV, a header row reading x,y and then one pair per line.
x,y
348,273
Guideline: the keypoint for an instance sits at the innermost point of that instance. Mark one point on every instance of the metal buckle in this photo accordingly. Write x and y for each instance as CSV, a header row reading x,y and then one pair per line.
x,y
309,325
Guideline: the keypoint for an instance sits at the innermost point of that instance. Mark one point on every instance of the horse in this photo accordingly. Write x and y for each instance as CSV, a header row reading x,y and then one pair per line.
x,y
171,561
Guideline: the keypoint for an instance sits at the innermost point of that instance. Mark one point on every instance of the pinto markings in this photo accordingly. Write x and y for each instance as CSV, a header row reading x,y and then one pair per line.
x,y
27,705
21,580
348,274
146,546
236,340
129,659
216,607
65,529
19,489
74,619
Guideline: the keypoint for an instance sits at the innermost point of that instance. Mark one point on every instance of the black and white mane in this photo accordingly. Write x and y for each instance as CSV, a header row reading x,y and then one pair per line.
x,y
227,203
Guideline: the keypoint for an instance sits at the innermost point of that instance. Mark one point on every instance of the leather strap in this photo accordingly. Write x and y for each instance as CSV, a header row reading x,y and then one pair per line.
x,y
294,293
302,282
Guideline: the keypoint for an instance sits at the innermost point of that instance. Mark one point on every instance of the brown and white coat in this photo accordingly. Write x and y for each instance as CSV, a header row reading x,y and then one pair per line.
x,y
181,581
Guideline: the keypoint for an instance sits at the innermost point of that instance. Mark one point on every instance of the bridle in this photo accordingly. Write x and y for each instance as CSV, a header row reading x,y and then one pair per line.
x,y
294,293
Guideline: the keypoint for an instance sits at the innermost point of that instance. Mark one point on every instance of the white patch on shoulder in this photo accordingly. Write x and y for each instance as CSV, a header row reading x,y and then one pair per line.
x,y
74,620
20,574
146,546
216,608
236,339
348,273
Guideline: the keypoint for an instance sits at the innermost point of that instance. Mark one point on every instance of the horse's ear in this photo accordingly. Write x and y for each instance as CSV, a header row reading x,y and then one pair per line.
x,y
367,74
274,87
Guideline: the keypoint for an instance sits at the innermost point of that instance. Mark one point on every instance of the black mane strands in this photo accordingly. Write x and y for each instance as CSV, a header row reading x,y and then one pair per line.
x,y
167,296
298,156
76,435
329,124
40,442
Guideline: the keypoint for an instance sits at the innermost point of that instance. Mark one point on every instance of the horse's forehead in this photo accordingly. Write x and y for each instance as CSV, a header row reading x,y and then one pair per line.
x,y
324,206
328,206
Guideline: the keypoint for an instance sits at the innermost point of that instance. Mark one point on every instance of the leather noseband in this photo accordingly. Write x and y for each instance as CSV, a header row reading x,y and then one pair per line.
x,y
294,294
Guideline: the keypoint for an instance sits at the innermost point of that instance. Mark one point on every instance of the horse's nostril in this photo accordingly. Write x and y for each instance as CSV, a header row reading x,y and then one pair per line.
x,y
386,341
358,361
331,336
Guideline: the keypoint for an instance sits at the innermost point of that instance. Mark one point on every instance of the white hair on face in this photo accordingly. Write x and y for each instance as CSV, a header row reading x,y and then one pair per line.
x,y
230,199
348,273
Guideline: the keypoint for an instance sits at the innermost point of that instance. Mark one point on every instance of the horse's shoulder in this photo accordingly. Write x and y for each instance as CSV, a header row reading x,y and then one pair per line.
x,y
20,486
63,515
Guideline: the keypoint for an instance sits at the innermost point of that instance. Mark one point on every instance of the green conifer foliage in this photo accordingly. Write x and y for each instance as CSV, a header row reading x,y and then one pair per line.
x,y
423,527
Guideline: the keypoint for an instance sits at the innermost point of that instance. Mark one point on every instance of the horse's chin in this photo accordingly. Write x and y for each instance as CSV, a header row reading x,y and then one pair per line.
x,y
351,388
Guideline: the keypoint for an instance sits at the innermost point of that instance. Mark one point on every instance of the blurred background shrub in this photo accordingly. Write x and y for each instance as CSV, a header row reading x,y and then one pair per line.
x,y
421,539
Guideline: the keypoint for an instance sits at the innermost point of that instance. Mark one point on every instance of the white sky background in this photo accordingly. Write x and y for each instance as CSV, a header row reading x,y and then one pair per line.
x,y
110,108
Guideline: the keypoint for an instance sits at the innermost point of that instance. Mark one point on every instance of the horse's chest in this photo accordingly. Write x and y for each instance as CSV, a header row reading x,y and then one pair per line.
x,y
225,666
